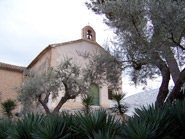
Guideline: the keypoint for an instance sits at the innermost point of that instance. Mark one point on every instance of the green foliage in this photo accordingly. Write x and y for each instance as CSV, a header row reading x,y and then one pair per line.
x,y
87,102
33,126
147,123
5,126
72,124
157,122
100,67
101,135
67,78
36,85
147,128
24,128
8,106
98,124
178,112
119,107
147,35
143,27
53,127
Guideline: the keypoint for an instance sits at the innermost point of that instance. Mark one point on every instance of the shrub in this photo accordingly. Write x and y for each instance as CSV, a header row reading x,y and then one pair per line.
x,y
98,123
178,113
72,124
5,126
53,127
147,123
8,106
157,122
87,102
34,126
119,108
24,128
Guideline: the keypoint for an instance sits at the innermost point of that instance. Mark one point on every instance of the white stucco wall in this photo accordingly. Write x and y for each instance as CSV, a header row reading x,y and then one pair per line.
x,y
43,63
69,50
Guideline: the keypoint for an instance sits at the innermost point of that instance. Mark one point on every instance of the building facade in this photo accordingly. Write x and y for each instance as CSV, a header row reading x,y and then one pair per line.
x,y
52,56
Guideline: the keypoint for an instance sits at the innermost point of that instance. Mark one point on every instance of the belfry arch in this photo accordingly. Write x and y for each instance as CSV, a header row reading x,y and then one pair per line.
x,y
88,33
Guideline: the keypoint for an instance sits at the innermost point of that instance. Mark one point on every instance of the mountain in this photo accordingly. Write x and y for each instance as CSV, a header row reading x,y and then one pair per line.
x,y
138,100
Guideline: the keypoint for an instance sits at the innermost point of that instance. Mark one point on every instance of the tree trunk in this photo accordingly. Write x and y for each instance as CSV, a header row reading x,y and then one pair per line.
x,y
178,84
44,104
63,99
172,63
163,90
61,102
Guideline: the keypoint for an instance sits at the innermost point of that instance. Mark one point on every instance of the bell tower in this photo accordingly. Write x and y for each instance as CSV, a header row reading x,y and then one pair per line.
x,y
89,33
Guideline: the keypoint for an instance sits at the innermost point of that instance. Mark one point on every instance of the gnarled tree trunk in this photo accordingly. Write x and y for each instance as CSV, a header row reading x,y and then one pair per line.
x,y
178,84
63,99
172,63
163,90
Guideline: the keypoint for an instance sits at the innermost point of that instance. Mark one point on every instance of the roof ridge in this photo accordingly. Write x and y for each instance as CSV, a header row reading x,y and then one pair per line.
x,y
11,66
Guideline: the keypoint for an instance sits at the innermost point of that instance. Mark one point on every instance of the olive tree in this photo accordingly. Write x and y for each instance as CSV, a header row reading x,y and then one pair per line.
x,y
148,33
68,78
38,87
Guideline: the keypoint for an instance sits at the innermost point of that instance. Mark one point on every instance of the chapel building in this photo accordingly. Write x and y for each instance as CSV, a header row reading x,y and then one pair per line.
x,y
12,76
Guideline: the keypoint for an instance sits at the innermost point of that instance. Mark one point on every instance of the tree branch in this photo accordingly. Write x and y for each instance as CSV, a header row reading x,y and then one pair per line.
x,y
46,98
63,99
183,31
44,104
177,43
137,30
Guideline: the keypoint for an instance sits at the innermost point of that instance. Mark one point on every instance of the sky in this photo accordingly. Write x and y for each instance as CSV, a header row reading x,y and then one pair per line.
x,y
28,26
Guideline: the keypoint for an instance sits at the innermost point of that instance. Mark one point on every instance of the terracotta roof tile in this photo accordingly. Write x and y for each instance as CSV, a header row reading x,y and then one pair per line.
x,y
11,67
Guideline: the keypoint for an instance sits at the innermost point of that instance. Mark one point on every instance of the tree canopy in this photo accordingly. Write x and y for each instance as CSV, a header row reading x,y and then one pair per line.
x,y
38,87
67,78
150,37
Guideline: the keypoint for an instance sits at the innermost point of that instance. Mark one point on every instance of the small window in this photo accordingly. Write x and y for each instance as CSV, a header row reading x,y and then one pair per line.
x,y
110,94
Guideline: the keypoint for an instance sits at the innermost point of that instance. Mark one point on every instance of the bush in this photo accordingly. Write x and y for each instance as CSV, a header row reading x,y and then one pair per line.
x,y
5,126
87,102
147,123
157,122
150,123
119,108
8,106
98,124
53,127
178,114
24,128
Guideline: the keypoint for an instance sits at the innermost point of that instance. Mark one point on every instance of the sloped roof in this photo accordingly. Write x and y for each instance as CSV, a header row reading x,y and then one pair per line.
x,y
11,67
39,56
74,41
56,45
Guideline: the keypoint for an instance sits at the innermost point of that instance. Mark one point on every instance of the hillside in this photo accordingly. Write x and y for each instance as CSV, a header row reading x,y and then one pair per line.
x,y
139,99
